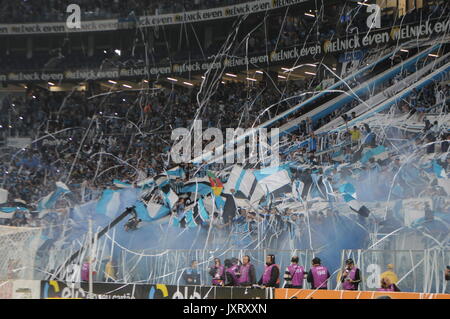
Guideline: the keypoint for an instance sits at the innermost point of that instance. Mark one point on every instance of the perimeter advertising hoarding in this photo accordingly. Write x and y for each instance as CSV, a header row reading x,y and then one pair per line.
x,y
342,294
58,289
20,289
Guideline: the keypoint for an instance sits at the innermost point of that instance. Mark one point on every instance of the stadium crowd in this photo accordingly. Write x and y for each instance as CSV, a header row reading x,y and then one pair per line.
x,y
88,142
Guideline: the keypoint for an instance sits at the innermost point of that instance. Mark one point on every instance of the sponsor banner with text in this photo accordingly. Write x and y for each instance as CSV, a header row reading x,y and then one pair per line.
x,y
355,41
62,290
149,21
26,289
58,27
216,13
373,44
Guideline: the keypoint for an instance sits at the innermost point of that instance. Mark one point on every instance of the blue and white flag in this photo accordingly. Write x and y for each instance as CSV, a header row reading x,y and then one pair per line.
x,y
297,190
161,180
267,200
244,181
212,203
148,182
328,188
202,210
141,211
121,184
201,186
193,216
437,169
185,220
219,202
3,196
190,220
150,212
170,198
109,203
176,172
338,156
348,192
157,211
378,153
50,200
274,179
8,212
316,190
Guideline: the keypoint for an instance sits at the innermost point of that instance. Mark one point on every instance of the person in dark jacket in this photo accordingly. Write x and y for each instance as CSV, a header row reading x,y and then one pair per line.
x,y
271,275
191,275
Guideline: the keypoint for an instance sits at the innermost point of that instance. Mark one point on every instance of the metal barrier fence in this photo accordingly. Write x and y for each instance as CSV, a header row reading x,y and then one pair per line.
x,y
25,255
416,270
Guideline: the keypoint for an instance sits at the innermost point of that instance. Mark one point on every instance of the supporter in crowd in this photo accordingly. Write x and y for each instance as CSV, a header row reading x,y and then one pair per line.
x,y
355,135
110,271
390,274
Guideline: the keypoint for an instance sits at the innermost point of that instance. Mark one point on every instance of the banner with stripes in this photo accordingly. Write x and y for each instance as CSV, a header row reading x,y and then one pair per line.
x,y
244,181
50,200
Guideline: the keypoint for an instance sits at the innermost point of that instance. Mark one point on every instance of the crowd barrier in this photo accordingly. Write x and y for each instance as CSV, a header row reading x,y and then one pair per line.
x,y
34,289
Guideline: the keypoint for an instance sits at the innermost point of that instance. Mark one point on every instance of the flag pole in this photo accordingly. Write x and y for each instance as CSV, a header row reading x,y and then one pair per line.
x,y
98,236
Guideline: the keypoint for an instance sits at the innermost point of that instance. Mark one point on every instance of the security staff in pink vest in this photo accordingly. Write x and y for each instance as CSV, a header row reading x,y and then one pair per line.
x,y
217,273
294,274
271,275
318,275
247,273
231,278
85,270
351,277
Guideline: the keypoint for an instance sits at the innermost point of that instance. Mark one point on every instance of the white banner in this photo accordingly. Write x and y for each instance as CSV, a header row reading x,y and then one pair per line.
x,y
3,195
216,13
58,27
19,142
149,21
